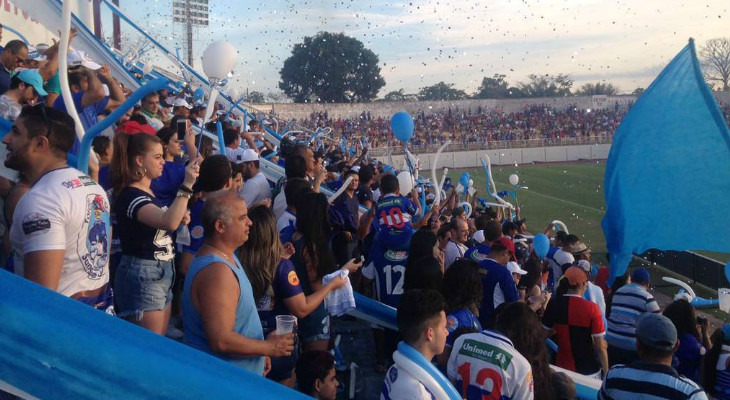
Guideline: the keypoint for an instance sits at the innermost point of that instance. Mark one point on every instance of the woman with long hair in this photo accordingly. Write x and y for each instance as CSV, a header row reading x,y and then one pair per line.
x,y
530,286
693,337
716,368
424,243
145,274
462,290
314,259
522,326
275,283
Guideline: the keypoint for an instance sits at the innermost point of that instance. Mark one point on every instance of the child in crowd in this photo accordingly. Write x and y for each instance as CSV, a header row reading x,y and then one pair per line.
x,y
395,213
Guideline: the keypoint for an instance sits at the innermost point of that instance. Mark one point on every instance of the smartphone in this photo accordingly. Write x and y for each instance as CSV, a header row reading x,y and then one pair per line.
x,y
182,127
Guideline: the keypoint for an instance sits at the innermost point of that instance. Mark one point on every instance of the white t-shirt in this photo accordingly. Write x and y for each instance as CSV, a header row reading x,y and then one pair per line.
x,y
487,361
279,204
287,219
560,258
400,385
453,251
255,189
235,155
65,210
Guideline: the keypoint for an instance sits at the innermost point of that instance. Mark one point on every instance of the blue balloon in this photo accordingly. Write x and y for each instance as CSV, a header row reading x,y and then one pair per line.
x,y
402,125
198,94
541,244
464,179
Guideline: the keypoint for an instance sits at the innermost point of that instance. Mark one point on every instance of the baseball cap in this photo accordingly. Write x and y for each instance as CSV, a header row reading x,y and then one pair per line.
x,y
250,155
215,171
180,102
584,265
575,276
79,57
478,236
507,242
32,78
656,331
640,275
514,268
134,127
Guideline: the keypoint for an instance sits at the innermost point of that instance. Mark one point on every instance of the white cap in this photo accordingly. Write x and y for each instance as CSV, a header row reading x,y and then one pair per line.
x,y
355,168
250,155
584,265
514,268
78,57
478,236
180,102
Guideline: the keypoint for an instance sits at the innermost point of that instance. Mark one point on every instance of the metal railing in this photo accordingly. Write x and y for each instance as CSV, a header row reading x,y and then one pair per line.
x,y
493,145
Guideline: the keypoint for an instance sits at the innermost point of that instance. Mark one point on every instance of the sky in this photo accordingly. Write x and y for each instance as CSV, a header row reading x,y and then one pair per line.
x,y
420,43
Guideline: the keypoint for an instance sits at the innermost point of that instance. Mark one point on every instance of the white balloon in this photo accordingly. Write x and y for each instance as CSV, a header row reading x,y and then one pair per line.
x,y
514,179
471,182
405,181
219,58
233,93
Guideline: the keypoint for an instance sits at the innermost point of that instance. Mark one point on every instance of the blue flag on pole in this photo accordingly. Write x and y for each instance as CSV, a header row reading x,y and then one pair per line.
x,y
667,182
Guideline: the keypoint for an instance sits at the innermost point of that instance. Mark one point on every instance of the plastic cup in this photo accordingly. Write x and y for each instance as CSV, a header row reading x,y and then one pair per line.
x,y
285,324
723,295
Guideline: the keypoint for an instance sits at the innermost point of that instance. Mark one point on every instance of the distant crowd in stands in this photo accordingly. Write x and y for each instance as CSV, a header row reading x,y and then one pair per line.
x,y
203,248
479,125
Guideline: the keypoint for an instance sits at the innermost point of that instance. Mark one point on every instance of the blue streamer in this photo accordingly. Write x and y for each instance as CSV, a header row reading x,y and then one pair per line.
x,y
221,141
15,31
83,157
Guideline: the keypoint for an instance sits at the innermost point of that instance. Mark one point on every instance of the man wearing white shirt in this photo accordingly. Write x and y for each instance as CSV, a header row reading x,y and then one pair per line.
x,y
457,246
256,187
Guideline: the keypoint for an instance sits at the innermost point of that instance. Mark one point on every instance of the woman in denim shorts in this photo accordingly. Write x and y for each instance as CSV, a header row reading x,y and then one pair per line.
x,y
144,277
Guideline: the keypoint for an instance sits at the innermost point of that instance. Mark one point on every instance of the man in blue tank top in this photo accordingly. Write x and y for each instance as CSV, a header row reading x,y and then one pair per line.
x,y
219,310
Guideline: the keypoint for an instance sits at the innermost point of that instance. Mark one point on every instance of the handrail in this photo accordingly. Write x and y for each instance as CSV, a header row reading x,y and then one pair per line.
x,y
93,355
96,130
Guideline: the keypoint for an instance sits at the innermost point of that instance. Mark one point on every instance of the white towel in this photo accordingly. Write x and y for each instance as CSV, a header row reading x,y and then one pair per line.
x,y
339,300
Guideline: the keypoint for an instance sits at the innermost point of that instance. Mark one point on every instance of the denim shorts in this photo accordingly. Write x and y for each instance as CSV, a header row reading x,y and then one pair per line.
x,y
142,285
315,326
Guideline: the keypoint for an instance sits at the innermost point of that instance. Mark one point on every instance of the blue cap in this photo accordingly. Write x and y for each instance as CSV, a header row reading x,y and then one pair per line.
x,y
656,331
32,78
640,275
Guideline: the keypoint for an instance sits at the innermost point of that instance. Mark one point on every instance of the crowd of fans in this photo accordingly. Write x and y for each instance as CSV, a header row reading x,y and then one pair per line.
x,y
479,126
201,247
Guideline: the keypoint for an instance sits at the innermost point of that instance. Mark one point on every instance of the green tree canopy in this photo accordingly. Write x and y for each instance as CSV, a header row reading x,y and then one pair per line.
x,y
441,91
399,95
546,86
331,67
590,89
256,97
495,87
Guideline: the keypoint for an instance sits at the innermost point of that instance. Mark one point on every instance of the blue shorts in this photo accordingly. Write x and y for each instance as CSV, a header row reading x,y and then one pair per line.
x,y
142,285
315,326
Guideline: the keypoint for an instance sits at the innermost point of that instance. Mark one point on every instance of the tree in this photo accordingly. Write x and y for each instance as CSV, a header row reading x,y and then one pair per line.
x,y
546,86
638,91
441,91
495,87
715,56
399,95
590,89
256,97
331,67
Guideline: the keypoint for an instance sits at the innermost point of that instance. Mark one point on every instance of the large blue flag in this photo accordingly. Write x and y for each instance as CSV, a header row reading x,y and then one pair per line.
x,y
667,181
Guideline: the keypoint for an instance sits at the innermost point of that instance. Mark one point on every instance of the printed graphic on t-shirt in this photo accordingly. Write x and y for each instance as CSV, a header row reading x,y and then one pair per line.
x,y
93,246
35,223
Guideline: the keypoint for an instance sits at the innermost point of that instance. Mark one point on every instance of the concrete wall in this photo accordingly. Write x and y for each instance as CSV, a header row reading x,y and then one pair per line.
x,y
470,159
386,109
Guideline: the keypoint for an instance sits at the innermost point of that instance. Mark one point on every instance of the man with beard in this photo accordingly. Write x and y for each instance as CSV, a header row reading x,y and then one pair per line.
x,y
56,230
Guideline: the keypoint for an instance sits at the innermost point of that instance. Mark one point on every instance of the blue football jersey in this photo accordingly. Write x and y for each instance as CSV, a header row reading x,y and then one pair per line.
x,y
394,215
388,269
